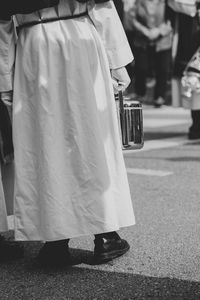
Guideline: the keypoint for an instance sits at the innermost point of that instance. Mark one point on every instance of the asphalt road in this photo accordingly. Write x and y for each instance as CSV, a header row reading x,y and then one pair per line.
x,y
164,260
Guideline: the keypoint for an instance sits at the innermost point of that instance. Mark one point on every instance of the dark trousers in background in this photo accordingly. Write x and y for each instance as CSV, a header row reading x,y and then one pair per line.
x,y
5,132
147,62
130,66
120,8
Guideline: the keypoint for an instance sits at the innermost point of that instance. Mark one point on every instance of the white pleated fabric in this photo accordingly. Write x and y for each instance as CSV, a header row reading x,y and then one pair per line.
x,y
70,174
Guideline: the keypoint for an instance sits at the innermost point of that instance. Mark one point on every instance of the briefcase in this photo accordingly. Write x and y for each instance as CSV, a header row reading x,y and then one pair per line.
x,y
130,119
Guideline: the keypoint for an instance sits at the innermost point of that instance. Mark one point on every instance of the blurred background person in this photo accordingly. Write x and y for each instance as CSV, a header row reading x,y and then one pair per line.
x,y
6,145
186,43
9,250
119,4
127,23
151,42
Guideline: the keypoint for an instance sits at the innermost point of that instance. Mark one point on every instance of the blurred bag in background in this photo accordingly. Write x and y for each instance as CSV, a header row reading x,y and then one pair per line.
x,y
187,7
191,76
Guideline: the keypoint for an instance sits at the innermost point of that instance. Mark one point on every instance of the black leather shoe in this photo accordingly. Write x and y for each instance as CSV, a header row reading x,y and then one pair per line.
x,y
54,254
10,250
109,247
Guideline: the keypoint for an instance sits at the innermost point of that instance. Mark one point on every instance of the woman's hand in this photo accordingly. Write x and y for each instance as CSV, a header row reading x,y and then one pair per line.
x,y
165,28
153,34
121,79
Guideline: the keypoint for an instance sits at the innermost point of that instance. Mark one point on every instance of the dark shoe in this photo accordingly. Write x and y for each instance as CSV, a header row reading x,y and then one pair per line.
x,y
10,250
54,254
109,246
194,130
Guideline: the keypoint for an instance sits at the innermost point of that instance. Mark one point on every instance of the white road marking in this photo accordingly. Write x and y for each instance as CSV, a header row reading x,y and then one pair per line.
x,y
148,172
166,110
153,123
168,116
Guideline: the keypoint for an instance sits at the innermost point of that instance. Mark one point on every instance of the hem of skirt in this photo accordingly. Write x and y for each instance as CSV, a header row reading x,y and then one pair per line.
x,y
3,230
21,237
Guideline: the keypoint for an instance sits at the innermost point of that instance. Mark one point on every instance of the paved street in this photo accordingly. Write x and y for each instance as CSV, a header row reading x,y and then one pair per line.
x,y
164,260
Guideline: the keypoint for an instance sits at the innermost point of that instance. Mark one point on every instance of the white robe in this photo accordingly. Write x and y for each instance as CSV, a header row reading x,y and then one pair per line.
x,y
70,174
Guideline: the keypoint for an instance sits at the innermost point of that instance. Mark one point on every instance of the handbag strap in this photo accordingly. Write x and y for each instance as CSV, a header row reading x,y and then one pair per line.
x,y
121,102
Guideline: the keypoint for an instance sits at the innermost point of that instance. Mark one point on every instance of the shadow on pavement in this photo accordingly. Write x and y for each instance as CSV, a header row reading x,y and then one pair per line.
x,y
25,280
183,159
196,142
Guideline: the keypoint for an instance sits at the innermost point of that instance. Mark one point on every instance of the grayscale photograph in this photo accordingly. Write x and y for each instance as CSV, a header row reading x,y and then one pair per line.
x,y
100,150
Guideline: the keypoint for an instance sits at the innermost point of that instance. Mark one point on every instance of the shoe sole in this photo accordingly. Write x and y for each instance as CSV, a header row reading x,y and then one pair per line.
x,y
103,258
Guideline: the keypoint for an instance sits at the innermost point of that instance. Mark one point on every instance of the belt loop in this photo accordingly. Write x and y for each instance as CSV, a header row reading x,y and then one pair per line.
x,y
39,14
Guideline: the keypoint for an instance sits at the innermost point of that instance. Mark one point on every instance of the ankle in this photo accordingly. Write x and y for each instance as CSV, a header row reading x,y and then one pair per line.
x,y
108,236
59,243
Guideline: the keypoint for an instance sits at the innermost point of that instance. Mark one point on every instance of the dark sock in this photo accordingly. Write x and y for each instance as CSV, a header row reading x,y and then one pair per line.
x,y
107,235
59,243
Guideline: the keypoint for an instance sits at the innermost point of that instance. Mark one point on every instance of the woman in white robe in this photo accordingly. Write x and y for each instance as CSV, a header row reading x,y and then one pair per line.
x,y
70,177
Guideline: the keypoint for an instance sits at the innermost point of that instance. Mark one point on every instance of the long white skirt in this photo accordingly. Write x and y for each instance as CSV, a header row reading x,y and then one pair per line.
x,y
70,174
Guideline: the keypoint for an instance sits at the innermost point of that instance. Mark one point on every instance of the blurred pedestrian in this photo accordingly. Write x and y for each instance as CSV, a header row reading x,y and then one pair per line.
x,y
6,144
127,23
120,8
152,41
187,41
70,179
9,250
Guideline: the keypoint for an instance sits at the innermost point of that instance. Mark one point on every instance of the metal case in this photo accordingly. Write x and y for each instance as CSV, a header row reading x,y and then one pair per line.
x,y
130,119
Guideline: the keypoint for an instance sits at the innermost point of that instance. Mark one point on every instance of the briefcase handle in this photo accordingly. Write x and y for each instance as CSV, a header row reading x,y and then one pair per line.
x,y
121,101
